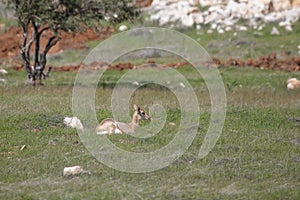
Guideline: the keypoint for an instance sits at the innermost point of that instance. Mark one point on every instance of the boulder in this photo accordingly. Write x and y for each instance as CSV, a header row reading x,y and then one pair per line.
x,y
73,122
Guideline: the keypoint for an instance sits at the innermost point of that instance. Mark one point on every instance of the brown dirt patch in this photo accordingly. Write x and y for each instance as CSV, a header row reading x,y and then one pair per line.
x,y
265,62
11,39
271,61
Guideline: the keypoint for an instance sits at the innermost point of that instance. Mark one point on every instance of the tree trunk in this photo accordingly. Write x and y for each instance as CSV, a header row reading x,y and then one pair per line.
x,y
35,72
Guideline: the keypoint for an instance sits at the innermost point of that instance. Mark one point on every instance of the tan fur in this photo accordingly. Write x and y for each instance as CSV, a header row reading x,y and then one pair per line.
x,y
110,126
292,83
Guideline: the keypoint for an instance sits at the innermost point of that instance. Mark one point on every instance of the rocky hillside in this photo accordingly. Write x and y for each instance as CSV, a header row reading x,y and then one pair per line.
x,y
223,15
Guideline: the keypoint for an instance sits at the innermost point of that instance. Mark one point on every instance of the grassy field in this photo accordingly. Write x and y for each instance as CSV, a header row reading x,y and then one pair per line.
x,y
256,157
232,44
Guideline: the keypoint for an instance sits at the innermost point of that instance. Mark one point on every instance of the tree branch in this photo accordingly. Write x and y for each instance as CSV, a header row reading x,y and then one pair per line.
x,y
44,29
51,42
24,28
46,74
37,44
24,51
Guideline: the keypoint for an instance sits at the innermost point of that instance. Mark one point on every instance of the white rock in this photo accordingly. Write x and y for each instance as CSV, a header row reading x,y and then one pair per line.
x,y
283,23
187,20
185,13
228,28
258,33
261,27
211,18
209,31
213,26
229,21
292,15
198,18
243,28
73,171
73,122
274,16
3,71
198,26
135,83
172,124
163,20
274,31
123,28
221,31
2,80
182,84
288,28
210,2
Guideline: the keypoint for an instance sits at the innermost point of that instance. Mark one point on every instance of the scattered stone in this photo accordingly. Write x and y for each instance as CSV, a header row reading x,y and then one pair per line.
x,y
123,28
209,31
74,171
3,71
221,31
73,122
135,83
257,33
228,28
37,129
52,142
243,28
274,31
181,13
172,124
182,84
289,28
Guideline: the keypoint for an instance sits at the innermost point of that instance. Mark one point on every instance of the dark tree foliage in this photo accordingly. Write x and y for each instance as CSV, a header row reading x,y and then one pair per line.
x,y
37,16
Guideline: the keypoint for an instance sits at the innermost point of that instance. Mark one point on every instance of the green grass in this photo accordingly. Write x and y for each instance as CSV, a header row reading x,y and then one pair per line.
x,y
248,44
245,45
7,22
256,157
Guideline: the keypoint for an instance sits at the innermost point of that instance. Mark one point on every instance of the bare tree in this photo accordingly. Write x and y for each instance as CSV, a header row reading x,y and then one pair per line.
x,y
37,16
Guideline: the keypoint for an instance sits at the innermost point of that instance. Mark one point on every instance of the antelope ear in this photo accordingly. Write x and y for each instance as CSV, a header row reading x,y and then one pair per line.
x,y
135,107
